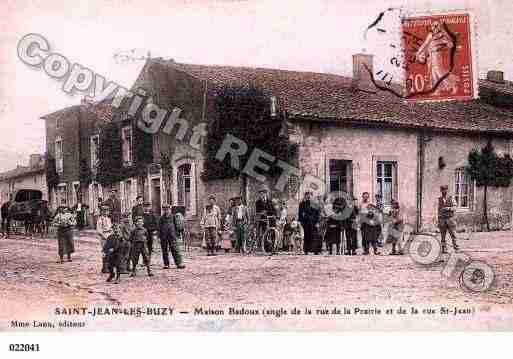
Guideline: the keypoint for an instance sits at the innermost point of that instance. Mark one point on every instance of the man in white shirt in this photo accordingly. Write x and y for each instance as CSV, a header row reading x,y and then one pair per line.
x,y
240,223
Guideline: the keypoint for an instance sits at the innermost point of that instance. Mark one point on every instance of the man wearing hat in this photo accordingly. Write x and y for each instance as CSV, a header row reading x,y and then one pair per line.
x,y
263,208
309,216
445,218
168,238
6,222
217,212
152,226
240,221
178,213
104,229
114,205
138,209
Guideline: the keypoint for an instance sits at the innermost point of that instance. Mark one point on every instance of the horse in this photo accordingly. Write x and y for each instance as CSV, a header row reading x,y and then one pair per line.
x,y
36,221
39,221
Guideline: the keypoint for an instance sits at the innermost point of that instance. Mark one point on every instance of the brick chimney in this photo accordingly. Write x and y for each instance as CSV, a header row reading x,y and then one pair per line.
x,y
362,64
495,76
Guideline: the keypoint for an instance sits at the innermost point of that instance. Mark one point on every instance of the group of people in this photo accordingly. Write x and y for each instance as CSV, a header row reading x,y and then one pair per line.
x,y
232,230
317,220
124,239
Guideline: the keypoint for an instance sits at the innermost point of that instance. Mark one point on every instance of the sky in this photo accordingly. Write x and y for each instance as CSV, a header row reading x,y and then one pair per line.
x,y
298,35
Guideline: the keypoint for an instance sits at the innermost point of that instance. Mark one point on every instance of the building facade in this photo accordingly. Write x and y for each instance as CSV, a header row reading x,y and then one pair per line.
x,y
354,141
32,176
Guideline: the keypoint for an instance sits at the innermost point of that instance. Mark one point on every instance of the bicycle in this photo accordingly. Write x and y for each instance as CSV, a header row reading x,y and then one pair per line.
x,y
267,242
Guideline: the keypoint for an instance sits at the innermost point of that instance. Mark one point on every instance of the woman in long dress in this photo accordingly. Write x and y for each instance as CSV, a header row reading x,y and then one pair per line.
x,y
64,220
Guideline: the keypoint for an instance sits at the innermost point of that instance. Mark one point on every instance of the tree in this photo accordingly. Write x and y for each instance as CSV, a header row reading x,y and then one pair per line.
x,y
245,112
110,157
489,170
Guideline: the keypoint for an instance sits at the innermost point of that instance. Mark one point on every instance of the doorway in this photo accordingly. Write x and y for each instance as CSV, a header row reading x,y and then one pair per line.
x,y
340,177
155,196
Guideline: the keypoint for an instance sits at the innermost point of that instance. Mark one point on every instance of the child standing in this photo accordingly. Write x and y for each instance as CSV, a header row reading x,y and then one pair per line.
x,y
395,229
104,229
297,236
210,224
113,251
372,228
227,233
138,240
125,230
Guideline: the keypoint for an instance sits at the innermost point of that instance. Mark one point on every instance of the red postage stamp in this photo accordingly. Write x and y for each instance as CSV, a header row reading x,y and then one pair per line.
x,y
439,57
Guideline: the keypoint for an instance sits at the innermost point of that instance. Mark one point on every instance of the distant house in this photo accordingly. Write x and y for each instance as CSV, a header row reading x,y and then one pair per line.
x,y
32,176
355,141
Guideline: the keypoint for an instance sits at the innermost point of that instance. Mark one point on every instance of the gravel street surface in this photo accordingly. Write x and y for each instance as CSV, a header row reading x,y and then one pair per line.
x,y
342,292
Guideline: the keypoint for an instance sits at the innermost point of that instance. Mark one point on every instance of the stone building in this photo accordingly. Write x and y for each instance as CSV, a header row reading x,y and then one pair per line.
x,y
32,176
354,141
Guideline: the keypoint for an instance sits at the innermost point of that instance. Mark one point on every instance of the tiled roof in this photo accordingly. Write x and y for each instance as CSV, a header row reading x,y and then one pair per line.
x,y
317,96
20,171
505,87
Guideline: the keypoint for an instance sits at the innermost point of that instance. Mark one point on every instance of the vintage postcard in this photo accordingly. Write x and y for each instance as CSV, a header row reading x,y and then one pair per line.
x,y
255,165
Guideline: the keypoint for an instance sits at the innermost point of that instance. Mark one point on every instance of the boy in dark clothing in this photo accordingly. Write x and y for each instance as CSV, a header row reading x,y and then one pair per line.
x,y
113,249
334,226
125,230
138,239
138,209
152,226
350,227
372,227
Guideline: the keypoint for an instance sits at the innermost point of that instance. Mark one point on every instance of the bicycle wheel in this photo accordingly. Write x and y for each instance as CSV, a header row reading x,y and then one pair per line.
x,y
269,240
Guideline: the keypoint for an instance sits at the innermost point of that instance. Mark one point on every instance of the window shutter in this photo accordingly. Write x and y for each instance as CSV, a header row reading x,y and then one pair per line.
x,y
122,195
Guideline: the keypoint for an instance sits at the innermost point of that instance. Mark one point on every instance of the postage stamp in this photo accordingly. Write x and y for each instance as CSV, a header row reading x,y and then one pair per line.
x,y
252,166
438,56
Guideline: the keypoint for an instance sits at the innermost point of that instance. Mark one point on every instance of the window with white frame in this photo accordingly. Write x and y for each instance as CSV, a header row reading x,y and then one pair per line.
x,y
59,156
95,148
184,179
128,195
127,142
386,180
463,189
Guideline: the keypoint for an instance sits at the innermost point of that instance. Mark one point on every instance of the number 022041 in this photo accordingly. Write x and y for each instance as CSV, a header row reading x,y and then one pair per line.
x,y
23,347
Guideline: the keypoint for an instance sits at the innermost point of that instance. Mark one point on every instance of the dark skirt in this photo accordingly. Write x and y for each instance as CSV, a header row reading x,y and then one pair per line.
x,y
65,240
333,235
